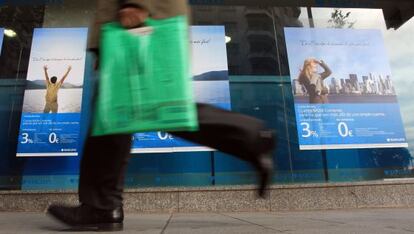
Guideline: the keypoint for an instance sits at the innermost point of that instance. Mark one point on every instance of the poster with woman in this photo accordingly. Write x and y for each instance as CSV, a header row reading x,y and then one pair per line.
x,y
343,90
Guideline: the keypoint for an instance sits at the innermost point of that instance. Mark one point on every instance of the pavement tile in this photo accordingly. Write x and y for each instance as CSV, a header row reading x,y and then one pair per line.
x,y
212,223
364,221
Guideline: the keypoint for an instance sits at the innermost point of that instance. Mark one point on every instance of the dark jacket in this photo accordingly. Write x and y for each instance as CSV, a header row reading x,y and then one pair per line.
x,y
107,12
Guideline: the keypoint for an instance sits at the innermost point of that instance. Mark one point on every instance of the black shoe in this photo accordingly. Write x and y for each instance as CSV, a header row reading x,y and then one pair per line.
x,y
85,217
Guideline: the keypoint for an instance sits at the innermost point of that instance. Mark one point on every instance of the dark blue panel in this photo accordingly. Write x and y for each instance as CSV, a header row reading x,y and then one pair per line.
x,y
10,102
173,169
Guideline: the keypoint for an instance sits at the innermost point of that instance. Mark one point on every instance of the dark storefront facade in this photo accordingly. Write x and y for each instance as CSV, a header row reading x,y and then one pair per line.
x,y
260,86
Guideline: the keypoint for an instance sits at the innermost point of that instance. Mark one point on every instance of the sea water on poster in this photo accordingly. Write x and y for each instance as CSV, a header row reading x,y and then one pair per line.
x,y
361,109
42,131
210,82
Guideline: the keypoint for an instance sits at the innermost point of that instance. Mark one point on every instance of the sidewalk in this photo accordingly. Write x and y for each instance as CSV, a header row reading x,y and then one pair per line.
x,y
365,221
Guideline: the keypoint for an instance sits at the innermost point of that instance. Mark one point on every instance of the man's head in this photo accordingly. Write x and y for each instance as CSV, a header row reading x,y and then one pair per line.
x,y
53,79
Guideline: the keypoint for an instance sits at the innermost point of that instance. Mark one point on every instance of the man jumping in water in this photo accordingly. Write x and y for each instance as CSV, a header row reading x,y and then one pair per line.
x,y
53,86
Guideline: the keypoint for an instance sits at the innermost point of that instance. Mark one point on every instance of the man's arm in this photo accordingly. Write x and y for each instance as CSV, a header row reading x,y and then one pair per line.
x,y
46,74
66,75
108,11
130,13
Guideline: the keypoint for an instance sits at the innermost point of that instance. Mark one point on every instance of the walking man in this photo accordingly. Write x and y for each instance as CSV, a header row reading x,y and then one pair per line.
x,y
105,158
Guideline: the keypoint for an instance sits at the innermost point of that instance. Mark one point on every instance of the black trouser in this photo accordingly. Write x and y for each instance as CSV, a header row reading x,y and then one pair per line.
x,y
105,158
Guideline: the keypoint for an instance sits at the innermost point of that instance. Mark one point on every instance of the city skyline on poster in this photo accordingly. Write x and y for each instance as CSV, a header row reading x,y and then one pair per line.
x,y
357,59
343,90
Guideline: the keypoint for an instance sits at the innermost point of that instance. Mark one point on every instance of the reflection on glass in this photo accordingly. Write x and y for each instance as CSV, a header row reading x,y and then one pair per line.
x,y
256,35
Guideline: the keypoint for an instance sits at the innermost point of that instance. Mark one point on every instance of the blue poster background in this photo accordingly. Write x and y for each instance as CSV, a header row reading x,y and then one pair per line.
x,y
1,38
49,134
55,52
362,109
210,82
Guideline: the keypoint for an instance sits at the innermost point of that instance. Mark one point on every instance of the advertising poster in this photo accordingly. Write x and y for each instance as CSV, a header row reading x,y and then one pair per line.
x,y
1,38
343,89
210,82
50,122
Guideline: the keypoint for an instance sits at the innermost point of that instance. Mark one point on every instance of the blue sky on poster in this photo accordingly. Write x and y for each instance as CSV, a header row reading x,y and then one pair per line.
x,y
58,48
346,51
208,49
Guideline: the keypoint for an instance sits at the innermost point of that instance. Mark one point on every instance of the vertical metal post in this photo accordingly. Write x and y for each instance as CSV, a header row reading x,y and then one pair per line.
x,y
213,168
15,88
283,95
18,64
310,17
325,166
324,152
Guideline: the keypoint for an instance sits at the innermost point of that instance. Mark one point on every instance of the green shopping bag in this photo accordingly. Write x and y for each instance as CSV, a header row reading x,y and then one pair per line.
x,y
145,82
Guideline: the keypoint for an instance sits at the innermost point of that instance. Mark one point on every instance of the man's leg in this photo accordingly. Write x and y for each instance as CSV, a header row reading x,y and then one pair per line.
x,y
101,183
47,108
233,133
240,135
103,166
54,107
105,158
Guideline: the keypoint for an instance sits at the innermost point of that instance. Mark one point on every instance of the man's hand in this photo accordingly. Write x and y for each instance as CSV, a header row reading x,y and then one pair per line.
x,y
69,68
45,67
131,17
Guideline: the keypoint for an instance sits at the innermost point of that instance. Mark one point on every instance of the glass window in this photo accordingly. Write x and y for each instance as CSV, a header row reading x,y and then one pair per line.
x,y
260,86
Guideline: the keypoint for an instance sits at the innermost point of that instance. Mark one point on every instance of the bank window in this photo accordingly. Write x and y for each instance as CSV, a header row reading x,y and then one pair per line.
x,y
231,27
